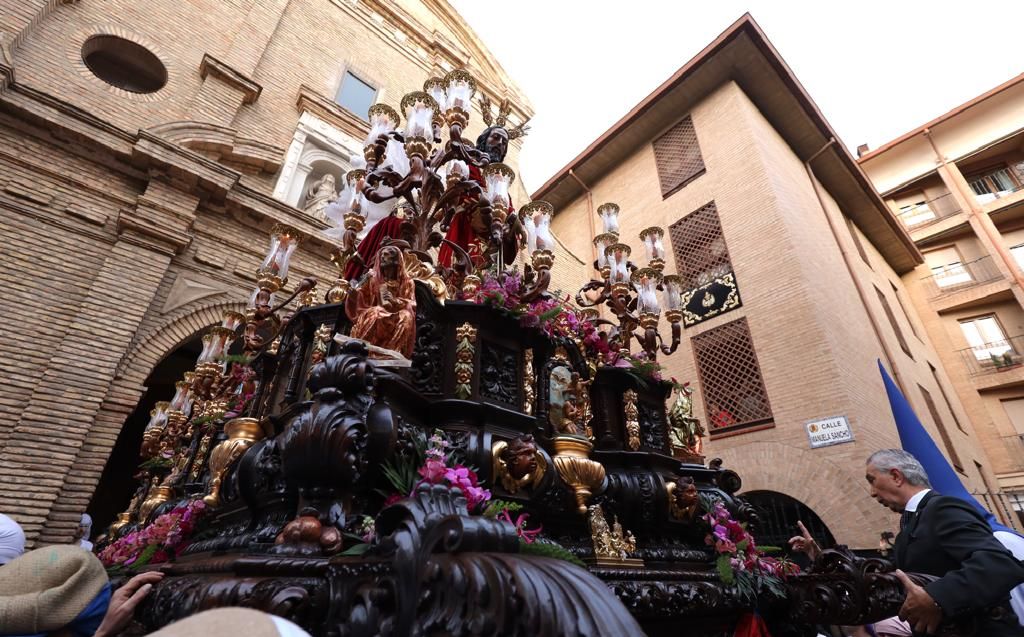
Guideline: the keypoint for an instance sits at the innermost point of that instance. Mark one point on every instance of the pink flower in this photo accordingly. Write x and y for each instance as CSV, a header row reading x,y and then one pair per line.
x,y
527,535
394,497
433,471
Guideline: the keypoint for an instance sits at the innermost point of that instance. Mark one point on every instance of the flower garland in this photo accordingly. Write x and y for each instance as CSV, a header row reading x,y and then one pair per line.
x,y
162,540
557,319
740,562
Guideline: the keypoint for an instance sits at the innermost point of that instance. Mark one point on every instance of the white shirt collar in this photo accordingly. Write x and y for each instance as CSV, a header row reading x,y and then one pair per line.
x,y
915,500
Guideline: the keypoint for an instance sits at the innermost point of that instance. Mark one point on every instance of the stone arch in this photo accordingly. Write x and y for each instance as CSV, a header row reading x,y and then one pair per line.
x,y
837,493
122,398
165,338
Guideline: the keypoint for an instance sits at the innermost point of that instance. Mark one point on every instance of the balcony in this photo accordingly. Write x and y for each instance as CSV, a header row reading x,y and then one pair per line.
x,y
931,211
997,363
957,277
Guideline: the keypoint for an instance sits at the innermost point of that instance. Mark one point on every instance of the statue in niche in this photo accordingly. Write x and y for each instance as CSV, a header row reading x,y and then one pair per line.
x,y
322,192
518,463
383,307
564,399
685,432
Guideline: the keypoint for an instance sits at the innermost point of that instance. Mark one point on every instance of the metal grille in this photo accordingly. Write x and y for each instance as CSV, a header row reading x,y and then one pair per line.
x,y
734,393
779,514
699,247
677,155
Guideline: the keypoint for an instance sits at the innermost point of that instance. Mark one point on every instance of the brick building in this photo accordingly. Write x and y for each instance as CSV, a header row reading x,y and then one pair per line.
x,y
732,157
146,149
957,186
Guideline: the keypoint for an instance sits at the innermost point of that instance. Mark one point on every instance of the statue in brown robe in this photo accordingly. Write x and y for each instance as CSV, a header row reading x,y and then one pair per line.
x,y
383,308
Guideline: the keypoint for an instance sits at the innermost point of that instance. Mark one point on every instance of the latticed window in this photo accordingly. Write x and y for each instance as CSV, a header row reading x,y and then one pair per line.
x,y
677,155
699,247
734,393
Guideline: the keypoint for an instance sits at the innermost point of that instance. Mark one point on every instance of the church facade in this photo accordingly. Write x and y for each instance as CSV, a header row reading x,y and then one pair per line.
x,y
147,151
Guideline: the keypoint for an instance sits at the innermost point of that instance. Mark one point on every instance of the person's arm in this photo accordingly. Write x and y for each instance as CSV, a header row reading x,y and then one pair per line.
x,y
123,603
987,570
805,543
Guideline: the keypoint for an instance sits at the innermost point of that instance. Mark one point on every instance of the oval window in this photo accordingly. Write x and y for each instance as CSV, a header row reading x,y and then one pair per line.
x,y
125,64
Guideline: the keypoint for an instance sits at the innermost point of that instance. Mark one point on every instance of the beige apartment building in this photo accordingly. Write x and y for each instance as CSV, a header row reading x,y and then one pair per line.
x,y
146,151
956,184
798,275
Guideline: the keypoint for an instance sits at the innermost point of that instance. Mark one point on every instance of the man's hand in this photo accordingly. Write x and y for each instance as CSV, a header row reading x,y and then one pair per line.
x,y
804,543
123,603
919,609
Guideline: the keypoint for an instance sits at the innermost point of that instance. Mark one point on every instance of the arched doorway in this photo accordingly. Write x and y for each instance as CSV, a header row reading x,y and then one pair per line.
x,y
779,514
116,485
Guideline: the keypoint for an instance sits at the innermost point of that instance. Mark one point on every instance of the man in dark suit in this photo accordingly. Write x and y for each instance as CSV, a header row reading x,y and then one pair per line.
x,y
945,537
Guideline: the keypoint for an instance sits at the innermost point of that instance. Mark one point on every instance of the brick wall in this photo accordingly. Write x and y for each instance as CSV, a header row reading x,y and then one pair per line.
x,y
811,330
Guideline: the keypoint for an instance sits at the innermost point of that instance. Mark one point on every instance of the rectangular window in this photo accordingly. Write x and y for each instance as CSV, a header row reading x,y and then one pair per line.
x,y
945,397
903,308
677,155
1018,255
730,378
947,267
916,212
699,247
986,338
356,96
892,321
946,440
1014,408
993,183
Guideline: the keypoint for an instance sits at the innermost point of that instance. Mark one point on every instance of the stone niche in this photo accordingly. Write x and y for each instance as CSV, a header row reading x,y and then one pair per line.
x,y
317,149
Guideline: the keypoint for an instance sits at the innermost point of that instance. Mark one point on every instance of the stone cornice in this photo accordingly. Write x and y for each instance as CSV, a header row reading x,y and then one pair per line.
x,y
309,100
184,163
212,66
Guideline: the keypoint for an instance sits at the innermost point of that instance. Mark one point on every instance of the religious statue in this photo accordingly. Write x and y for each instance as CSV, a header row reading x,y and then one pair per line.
x,y
322,192
610,544
383,308
685,431
518,463
683,499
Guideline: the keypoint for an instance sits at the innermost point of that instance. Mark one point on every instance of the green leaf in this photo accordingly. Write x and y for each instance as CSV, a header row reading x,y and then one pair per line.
x,y
550,314
725,572
742,545
357,549
549,549
494,507
769,550
144,557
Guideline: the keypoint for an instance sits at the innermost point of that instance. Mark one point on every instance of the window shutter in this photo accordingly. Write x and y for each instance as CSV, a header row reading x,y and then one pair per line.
x,y
677,155
730,378
699,247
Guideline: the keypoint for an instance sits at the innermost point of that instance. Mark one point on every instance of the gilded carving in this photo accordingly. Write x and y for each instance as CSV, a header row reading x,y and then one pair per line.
x,y
612,546
683,498
632,419
242,433
465,335
518,464
529,382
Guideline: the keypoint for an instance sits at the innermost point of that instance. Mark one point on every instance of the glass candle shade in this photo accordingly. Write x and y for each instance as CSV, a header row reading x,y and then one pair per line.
x,y
653,244
232,320
618,259
602,243
609,213
282,244
497,179
537,220
419,110
158,416
645,280
181,401
459,87
672,291
208,346
383,120
434,87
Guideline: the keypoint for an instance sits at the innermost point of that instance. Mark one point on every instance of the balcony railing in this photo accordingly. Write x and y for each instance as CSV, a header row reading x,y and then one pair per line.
x,y
960,276
997,356
929,212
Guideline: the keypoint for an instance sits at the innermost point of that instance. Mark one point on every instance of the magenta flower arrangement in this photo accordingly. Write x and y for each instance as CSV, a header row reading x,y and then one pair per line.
x,y
162,540
740,561
556,318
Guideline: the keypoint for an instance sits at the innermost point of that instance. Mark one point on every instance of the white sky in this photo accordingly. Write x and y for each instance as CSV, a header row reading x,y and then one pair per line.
x,y
876,69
